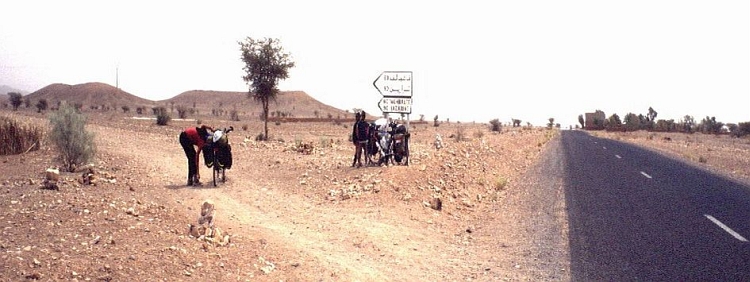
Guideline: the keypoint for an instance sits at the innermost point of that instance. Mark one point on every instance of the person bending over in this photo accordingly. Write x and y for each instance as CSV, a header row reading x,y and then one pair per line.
x,y
189,139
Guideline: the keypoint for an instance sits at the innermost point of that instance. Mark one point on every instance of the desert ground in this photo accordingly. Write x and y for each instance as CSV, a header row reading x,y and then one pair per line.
x,y
293,215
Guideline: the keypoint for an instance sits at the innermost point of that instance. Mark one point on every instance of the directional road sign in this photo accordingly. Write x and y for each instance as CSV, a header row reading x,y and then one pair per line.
x,y
395,105
394,84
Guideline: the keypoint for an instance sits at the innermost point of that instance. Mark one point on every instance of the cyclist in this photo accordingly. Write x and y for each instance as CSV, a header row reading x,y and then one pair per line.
x,y
360,135
189,138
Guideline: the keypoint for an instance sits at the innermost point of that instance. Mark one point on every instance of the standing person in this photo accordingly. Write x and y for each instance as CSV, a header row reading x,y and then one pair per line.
x,y
190,137
360,136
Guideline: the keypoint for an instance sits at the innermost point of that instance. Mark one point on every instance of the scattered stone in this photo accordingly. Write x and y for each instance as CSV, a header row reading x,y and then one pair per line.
x,y
51,177
436,204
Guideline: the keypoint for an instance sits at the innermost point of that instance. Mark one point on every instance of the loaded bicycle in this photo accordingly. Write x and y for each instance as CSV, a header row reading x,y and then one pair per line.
x,y
218,154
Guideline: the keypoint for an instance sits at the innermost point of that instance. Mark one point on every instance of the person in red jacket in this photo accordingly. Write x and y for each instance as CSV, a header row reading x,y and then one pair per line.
x,y
190,137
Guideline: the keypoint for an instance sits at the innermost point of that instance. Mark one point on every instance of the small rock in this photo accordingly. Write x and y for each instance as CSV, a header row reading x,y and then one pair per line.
x,y
436,204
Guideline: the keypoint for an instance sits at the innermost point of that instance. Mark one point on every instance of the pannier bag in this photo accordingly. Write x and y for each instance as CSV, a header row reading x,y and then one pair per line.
x,y
208,155
224,155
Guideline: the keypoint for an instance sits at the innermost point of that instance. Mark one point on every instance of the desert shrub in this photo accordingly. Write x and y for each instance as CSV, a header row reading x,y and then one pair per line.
x,y
495,125
125,109
278,122
460,135
68,133
182,111
478,134
702,159
162,115
325,142
500,183
260,137
244,127
234,115
16,138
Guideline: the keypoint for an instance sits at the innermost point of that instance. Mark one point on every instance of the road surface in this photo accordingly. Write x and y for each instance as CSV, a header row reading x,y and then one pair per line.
x,y
635,215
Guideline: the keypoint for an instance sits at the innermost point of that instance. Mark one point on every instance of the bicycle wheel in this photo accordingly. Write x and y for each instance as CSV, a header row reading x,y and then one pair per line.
x,y
216,169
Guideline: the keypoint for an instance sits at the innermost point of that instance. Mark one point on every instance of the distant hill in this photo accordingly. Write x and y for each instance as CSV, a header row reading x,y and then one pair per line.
x,y
89,94
101,95
298,103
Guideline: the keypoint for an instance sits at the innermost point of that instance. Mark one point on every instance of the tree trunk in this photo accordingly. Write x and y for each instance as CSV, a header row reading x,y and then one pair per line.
x,y
265,119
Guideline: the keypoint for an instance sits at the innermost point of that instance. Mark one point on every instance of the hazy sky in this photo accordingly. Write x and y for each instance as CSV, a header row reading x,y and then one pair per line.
x,y
471,60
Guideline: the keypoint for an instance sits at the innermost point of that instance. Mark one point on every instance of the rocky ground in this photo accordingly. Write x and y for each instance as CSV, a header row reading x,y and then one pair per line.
x,y
290,215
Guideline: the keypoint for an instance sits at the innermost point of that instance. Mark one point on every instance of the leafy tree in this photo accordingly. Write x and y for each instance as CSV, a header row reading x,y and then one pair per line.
x,y
581,121
632,122
643,122
664,125
516,122
41,105
551,122
688,124
265,64
743,128
651,114
710,125
614,122
16,99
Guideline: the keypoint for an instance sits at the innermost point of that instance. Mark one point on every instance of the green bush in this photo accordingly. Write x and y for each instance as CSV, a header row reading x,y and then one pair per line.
x,y
16,138
75,144
162,115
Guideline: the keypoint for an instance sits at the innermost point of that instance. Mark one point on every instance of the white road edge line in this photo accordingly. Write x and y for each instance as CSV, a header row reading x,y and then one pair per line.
x,y
646,175
726,228
618,156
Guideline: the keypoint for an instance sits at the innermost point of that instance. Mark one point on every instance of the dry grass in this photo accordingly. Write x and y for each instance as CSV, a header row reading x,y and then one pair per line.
x,y
16,137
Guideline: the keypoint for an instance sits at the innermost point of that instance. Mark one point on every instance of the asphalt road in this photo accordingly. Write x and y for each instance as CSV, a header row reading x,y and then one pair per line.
x,y
636,215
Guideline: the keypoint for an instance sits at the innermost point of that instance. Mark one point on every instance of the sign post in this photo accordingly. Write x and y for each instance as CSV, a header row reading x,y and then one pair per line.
x,y
396,88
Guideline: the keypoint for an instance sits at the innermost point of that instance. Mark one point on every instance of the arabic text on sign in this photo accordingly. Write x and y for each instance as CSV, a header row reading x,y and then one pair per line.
x,y
399,89
397,77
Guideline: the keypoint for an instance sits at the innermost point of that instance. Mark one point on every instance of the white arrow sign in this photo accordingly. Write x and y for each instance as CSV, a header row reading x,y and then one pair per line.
x,y
395,105
394,84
